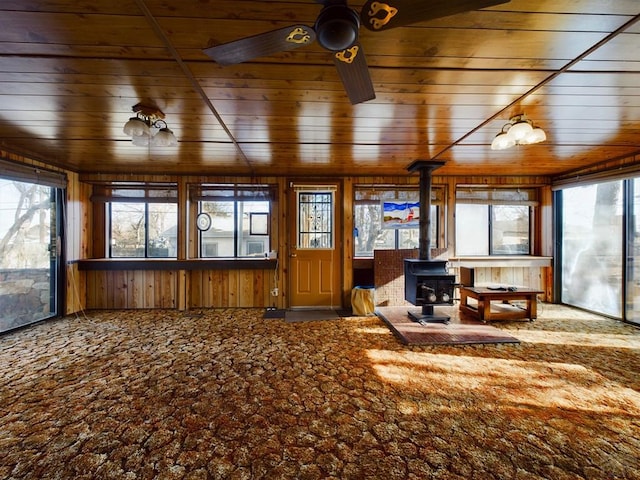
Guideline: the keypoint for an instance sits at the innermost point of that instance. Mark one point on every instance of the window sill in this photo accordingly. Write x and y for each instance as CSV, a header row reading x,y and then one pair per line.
x,y
173,264
501,261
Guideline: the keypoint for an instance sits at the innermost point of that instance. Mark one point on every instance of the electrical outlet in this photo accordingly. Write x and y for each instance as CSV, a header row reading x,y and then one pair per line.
x,y
274,292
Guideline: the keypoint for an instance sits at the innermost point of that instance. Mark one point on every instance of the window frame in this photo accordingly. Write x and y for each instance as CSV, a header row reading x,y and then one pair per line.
x,y
147,237
491,197
135,192
235,194
401,192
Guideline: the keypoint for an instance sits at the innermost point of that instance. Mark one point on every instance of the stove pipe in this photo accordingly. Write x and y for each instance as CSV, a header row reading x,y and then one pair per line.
x,y
426,168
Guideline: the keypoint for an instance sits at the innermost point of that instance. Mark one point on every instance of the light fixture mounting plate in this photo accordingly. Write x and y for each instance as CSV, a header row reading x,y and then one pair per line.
x,y
149,111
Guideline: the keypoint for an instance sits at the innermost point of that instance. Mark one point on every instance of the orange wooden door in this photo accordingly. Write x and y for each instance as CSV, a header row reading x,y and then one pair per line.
x,y
314,261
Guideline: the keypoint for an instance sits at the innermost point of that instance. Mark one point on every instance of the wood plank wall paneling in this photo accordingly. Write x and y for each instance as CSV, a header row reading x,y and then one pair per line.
x,y
77,219
347,243
229,288
129,289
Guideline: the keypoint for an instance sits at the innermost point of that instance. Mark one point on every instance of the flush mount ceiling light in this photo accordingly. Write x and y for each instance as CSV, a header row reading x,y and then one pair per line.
x,y
149,128
519,131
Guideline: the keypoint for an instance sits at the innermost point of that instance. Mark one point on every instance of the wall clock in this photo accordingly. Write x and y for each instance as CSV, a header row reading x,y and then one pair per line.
x,y
203,221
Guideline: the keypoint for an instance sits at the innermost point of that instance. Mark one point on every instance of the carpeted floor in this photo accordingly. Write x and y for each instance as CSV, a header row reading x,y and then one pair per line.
x,y
293,316
218,394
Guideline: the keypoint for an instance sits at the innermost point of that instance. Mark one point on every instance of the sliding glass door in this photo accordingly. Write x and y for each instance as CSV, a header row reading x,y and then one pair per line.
x,y
592,247
632,307
29,250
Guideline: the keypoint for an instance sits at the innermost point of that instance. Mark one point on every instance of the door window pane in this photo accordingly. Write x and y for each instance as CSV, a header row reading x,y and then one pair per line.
x,y
592,247
315,220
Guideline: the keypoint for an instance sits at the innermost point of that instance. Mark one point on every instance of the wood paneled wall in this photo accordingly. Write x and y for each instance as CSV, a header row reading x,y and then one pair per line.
x,y
230,288
129,289
535,277
77,216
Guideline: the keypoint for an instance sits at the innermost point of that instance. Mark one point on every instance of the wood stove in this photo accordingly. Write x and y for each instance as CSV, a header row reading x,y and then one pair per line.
x,y
427,282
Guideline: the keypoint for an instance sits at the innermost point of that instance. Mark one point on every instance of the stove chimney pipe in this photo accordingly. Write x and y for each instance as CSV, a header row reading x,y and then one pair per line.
x,y
426,168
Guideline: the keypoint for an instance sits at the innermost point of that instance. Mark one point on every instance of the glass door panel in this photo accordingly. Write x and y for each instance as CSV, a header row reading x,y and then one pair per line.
x,y
28,253
592,259
633,255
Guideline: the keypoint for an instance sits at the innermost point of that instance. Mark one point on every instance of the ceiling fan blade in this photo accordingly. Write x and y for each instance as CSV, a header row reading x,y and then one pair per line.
x,y
354,73
332,2
378,16
261,45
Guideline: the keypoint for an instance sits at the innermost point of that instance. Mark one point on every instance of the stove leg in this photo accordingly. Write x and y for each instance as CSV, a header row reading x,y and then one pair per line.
x,y
427,316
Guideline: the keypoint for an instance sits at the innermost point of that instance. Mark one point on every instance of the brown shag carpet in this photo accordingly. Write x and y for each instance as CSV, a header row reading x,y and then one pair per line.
x,y
219,394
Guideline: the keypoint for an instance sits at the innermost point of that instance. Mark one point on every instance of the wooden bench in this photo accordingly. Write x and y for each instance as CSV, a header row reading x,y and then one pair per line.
x,y
485,295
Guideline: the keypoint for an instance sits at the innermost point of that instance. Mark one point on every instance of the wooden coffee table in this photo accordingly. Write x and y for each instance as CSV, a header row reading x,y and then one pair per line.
x,y
485,295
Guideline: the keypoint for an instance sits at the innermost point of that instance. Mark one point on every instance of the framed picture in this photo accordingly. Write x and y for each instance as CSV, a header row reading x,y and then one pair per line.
x,y
258,223
400,214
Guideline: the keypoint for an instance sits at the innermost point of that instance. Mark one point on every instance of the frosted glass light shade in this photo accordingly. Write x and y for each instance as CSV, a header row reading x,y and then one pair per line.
x,y
164,138
141,140
502,141
520,130
136,127
537,135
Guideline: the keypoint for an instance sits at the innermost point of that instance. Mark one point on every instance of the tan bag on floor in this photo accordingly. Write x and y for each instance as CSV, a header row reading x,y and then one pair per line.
x,y
362,301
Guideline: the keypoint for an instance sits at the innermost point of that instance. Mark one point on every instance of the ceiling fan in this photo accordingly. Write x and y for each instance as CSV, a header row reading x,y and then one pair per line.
x,y
336,30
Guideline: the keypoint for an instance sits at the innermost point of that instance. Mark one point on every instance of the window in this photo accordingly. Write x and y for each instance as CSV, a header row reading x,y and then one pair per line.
x,y
143,229
371,233
142,219
494,221
240,217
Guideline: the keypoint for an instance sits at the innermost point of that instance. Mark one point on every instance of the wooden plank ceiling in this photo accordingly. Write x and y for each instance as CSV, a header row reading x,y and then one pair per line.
x,y
71,70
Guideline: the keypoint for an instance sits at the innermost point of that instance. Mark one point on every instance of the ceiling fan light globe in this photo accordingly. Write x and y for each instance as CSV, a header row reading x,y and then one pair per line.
x,y
502,141
520,130
337,27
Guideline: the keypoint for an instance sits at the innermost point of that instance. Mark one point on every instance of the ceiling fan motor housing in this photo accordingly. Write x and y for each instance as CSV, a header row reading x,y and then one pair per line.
x,y
337,27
